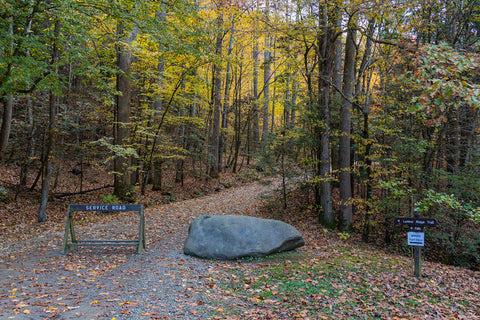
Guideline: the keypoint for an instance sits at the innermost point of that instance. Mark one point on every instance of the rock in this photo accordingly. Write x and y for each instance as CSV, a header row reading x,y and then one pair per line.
x,y
232,237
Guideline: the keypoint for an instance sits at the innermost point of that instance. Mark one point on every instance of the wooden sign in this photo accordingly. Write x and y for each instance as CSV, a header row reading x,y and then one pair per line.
x,y
106,207
416,222
70,240
416,238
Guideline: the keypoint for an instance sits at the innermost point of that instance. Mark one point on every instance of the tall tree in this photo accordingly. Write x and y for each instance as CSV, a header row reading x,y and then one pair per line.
x,y
51,134
7,104
345,128
267,61
215,165
226,99
123,187
325,55
6,124
158,102
255,109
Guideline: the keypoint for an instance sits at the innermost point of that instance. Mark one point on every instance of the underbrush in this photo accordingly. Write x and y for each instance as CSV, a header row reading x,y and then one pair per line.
x,y
19,205
453,241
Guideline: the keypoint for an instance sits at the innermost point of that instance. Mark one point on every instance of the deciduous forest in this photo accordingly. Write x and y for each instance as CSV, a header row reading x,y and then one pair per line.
x,y
370,107
352,112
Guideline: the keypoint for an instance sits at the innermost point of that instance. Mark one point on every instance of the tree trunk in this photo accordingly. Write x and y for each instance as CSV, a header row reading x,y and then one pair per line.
x,y
238,122
122,178
272,126
345,127
468,124
294,99
337,65
179,174
286,105
326,55
266,90
51,135
158,106
217,102
254,115
7,107
226,101
30,150
49,157
368,173
452,141
6,124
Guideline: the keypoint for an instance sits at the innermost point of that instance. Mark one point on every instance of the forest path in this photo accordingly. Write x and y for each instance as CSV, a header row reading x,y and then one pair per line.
x,y
38,282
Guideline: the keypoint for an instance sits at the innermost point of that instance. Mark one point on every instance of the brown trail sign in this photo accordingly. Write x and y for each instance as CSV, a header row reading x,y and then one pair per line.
x,y
416,222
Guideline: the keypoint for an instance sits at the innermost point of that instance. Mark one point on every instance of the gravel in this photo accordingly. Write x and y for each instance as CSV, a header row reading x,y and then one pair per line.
x,y
37,281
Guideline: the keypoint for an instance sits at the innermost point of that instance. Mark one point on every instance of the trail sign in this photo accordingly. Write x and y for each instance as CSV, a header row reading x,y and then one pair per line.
x,y
416,239
416,222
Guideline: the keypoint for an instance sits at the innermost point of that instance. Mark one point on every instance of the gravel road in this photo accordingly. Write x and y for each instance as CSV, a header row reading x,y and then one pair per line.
x,y
38,282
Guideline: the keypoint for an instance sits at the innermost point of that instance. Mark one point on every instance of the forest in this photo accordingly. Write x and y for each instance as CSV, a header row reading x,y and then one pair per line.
x,y
370,107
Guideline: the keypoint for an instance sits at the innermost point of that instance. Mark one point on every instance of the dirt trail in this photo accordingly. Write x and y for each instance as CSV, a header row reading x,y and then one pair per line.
x,y
38,282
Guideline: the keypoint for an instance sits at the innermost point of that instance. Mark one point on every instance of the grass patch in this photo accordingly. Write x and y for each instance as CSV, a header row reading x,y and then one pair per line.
x,y
349,283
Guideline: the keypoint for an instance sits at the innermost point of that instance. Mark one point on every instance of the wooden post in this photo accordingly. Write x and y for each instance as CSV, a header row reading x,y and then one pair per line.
x,y
416,238
417,257
70,230
67,233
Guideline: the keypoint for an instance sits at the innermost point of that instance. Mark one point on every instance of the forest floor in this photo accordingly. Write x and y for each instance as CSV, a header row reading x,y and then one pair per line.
x,y
328,278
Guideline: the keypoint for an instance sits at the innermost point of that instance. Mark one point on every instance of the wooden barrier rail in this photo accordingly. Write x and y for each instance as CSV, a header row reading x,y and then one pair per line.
x,y
70,241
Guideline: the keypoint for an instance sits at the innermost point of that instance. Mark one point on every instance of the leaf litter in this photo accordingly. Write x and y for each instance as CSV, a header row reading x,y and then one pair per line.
x,y
327,279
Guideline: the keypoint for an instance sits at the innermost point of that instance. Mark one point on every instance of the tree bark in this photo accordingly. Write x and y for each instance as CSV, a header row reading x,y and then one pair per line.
x,y
238,115
49,157
6,124
468,124
179,173
7,108
217,102
294,99
51,135
255,121
122,178
325,55
345,127
452,151
226,101
267,57
157,106
30,150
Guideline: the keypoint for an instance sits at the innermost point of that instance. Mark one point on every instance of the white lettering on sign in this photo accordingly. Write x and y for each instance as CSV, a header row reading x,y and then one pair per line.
x,y
105,207
416,239
95,208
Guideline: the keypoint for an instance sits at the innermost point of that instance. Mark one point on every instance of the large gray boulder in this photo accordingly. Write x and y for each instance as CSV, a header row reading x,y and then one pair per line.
x,y
232,237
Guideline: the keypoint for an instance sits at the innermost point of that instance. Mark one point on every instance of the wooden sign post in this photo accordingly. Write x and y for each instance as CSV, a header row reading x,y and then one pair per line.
x,y
416,238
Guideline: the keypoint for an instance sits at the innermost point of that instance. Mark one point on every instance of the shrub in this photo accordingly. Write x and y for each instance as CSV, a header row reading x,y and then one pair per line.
x,y
455,240
110,199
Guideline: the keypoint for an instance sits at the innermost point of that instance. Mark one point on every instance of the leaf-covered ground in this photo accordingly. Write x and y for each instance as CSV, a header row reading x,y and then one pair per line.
x,y
327,279
345,283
